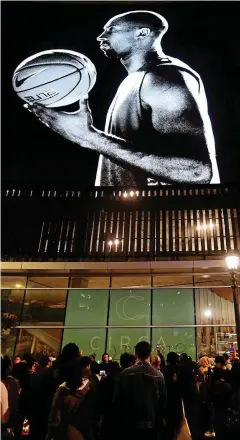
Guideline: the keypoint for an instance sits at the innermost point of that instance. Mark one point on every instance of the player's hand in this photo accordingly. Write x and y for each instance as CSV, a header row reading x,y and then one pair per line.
x,y
74,127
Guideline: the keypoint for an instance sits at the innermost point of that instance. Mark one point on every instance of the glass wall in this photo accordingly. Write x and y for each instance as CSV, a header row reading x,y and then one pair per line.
x,y
12,298
179,311
174,307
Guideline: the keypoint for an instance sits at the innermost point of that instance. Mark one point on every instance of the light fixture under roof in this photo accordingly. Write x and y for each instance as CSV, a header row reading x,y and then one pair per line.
x,y
232,261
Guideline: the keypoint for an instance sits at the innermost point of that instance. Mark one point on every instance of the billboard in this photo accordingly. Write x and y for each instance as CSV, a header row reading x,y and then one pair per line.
x,y
131,95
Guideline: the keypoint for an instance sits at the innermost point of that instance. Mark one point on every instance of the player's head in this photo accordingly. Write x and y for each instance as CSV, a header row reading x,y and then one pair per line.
x,y
132,32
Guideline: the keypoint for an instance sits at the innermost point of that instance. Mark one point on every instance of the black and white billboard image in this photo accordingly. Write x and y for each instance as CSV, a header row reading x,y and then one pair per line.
x,y
132,95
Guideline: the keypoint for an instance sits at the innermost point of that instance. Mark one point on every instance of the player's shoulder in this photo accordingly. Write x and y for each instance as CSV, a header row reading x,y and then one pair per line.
x,y
179,65
170,71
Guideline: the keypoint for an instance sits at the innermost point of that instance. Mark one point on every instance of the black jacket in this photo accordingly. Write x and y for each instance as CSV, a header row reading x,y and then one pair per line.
x,y
140,398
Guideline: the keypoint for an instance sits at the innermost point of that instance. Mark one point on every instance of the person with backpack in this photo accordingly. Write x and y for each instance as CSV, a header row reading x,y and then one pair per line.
x,y
72,408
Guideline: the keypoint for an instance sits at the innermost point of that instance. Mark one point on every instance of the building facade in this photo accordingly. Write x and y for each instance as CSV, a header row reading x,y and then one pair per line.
x,y
110,267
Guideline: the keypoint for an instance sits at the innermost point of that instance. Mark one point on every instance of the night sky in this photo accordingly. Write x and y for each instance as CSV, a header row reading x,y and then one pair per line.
x,y
205,35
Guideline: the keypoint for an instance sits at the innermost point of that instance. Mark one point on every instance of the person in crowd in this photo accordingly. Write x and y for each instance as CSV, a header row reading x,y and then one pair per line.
x,y
107,389
220,363
204,383
42,390
127,360
174,411
204,364
91,405
86,371
85,362
233,430
235,376
140,398
13,390
9,399
72,416
16,359
22,372
189,392
70,353
227,360
131,397
35,367
163,362
220,395
51,375
65,402
156,363
5,412
105,362
94,365
234,357
28,358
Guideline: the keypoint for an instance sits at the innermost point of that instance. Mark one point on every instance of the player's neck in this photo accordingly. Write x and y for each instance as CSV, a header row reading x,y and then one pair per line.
x,y
135,61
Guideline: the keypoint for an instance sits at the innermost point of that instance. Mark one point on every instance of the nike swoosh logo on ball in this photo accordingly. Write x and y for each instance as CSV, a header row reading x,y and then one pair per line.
x,y
19,82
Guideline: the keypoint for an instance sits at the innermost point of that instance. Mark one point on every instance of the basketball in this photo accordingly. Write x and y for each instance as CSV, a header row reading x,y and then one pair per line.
x,y
54,78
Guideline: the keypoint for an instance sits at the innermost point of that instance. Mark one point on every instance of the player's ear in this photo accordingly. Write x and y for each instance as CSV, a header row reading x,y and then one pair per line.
x,y
143,32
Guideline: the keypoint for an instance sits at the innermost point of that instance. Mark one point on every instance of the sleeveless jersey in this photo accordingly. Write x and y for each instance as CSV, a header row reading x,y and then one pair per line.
x,y
128,120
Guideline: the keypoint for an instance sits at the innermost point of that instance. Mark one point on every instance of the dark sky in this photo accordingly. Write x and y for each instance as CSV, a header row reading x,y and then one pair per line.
x,y
205,35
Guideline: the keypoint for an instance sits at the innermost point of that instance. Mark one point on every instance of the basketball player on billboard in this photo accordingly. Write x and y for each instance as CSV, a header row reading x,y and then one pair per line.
x,y
158,129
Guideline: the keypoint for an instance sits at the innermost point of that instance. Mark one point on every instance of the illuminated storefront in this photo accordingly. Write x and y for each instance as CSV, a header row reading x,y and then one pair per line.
x,y
183,306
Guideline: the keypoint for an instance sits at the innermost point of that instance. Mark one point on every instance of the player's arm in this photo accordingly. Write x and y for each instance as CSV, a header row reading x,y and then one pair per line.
x,y
156,159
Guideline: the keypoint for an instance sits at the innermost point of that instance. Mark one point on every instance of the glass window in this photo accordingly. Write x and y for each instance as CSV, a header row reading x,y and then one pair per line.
x,y
214,306
172,280
53,282
97,282
209,279
13,282
180,340
173,306
131,281
89,340
215,340
130,307
44,306
39,341
87,307
121,340
11,303
8,341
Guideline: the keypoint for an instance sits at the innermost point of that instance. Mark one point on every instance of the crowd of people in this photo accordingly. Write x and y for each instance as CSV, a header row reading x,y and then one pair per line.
x,y
145,396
